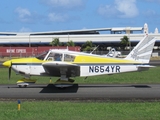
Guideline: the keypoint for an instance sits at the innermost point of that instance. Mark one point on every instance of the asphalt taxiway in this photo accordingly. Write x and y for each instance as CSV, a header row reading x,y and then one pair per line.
x,y
83,92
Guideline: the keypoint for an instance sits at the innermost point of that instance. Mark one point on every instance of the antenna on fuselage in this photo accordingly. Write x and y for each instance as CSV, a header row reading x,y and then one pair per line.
x,y
94,49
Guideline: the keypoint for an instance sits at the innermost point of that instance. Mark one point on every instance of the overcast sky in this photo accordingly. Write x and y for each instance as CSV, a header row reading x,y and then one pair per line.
x,y
55,15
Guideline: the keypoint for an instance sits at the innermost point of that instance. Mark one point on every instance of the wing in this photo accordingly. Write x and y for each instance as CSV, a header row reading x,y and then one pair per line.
x,y
58,69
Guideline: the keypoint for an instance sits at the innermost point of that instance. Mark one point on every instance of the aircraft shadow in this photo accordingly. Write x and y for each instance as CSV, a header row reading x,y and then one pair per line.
x,y
52,89
135,86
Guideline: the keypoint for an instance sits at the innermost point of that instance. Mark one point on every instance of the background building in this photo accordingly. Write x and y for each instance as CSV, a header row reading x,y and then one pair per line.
x,y
108,37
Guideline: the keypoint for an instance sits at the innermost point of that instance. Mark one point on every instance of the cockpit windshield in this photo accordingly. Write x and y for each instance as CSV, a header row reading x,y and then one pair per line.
x,y
42,55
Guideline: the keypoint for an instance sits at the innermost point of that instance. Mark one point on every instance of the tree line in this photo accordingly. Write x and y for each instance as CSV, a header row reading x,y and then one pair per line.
x,y
89,46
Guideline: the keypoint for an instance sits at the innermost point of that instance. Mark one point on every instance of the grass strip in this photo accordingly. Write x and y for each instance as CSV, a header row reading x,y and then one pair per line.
x,y
54,110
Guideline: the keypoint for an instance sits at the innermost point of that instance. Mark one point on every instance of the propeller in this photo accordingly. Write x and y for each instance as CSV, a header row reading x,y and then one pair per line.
x,y
9,75
9,65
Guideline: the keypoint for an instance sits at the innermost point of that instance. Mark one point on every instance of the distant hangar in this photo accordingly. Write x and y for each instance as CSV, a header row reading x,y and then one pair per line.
x,y
99,36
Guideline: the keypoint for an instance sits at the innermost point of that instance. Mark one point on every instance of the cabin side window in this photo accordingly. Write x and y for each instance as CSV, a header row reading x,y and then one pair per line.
x,y
69,58
54,57
57,57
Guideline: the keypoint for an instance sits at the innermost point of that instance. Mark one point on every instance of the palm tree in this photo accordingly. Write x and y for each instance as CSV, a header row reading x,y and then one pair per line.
x,y
124,42
87,46
70,43
55,42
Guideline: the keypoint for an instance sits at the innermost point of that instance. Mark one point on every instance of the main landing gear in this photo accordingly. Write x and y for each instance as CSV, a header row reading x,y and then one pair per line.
x,y
64,83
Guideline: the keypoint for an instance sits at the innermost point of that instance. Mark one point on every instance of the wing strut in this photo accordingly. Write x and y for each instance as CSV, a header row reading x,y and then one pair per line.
x,y
63,74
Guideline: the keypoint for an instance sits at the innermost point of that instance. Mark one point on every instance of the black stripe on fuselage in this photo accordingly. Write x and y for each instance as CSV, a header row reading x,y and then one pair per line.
x,y
26,63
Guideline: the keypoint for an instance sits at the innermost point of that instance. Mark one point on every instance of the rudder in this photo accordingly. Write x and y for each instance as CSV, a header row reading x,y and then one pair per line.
x,y
143,50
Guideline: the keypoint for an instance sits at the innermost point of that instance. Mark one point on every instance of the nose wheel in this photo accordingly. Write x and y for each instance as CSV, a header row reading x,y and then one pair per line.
x,y
22,86
23,83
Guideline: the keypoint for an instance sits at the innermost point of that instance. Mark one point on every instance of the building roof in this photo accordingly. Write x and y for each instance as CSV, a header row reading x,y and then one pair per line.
x,y
74,32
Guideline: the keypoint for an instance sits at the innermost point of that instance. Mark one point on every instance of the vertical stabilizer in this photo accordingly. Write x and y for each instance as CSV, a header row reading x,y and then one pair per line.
x,y
143,50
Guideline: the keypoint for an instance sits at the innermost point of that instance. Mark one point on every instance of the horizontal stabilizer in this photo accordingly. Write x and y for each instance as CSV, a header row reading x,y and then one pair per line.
x,y
144,67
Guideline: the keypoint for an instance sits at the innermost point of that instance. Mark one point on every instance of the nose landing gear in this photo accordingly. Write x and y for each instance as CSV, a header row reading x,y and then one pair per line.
x,y
25,82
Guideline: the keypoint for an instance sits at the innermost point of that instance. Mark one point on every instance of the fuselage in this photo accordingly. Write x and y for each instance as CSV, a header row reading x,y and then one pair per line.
x,y
89,64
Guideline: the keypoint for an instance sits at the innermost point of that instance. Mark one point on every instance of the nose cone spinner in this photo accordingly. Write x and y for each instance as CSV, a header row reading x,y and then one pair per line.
x,y
7,64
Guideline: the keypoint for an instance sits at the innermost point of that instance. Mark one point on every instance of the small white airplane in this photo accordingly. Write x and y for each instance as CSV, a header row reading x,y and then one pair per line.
x,y
66,64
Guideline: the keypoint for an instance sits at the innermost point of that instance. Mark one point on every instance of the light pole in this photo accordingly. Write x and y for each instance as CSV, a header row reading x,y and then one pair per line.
x,y
128,31
29,41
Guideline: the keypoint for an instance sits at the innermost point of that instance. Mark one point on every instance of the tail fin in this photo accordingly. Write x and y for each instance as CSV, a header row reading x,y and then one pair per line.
x,y
143,50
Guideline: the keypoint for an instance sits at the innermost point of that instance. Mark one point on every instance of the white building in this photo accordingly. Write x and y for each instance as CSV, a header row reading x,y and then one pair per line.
x,y
110,36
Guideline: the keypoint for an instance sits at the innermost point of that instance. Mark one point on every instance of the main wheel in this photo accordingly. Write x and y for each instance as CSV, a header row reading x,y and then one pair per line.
x,y
22,86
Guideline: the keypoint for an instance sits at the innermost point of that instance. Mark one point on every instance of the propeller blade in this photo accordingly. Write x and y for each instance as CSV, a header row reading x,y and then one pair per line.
x,y
9,76
9,73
